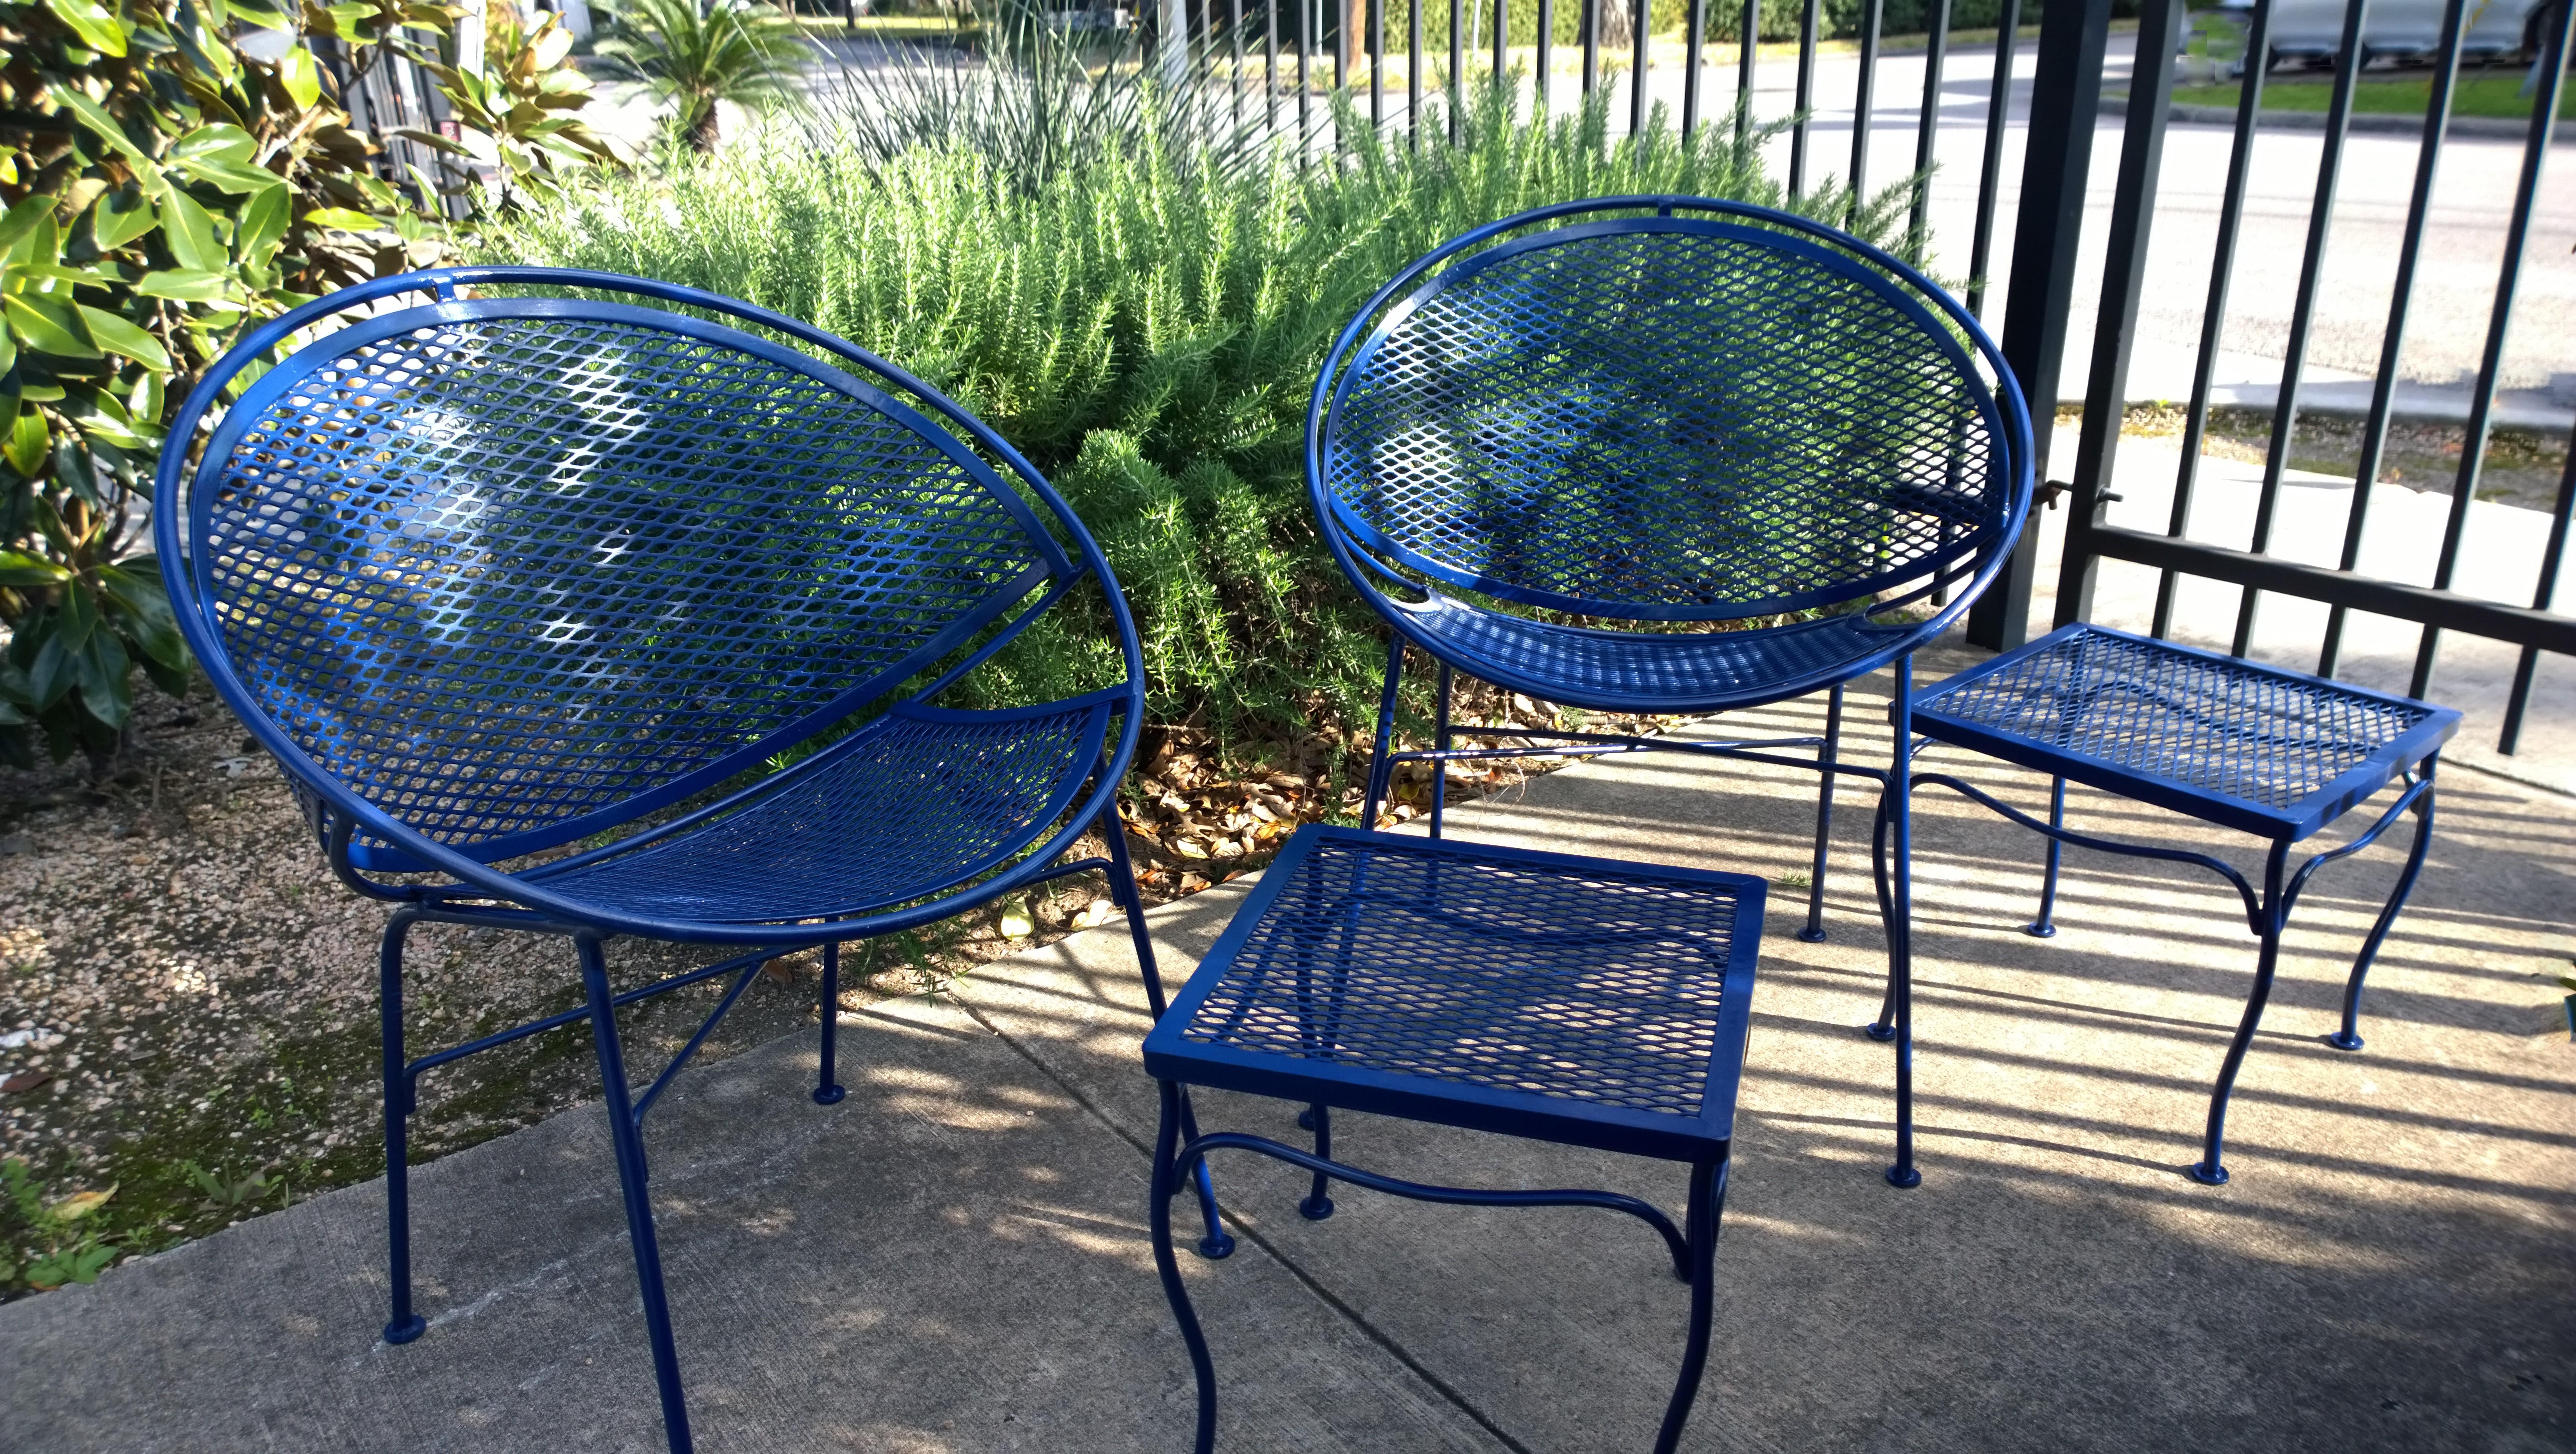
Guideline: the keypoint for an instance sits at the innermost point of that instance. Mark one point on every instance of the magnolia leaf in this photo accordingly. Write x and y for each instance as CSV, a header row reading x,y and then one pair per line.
x,y
185,284
90,114
42,245
8,363
117,335
80,1204
92,22
433,141
216,142
22,218
553,42
301,77
189,231
343,219
47,327
263,222
28,444
121,216
1017,921
106,679
18,568
229,176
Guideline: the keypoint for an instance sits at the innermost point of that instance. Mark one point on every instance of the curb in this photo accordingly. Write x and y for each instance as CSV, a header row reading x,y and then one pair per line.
x,y
2370,121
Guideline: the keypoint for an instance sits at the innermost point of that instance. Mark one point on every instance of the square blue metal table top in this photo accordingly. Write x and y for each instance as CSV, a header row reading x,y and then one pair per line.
x,y
2257,748
1577,1000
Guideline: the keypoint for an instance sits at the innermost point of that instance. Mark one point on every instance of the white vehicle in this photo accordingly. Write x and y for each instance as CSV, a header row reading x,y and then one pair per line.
x,y
2313,29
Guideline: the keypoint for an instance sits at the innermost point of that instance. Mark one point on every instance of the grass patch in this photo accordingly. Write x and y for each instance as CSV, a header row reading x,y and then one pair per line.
x,y
2492,95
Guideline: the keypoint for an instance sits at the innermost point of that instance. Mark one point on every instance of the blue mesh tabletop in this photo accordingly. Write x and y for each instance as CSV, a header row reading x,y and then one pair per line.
x,y
1569,999
2268,751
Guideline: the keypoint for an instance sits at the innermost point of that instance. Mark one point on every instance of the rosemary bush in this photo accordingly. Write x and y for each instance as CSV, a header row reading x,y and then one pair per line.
x,y
1146,327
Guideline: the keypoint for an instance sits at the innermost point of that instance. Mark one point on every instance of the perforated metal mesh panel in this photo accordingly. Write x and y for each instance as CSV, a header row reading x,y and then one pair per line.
x,y
1665,672
1665,421
1598,984
918,804
504,573
2254,735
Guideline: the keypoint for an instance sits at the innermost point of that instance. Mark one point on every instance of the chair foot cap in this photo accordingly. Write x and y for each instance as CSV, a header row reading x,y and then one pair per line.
x,y
1812,936
1216,1246
1904,1176
406,1330
2344,1040
2206,1174
1306,1119
1880,1033
1314,1209
2040,931
830,1095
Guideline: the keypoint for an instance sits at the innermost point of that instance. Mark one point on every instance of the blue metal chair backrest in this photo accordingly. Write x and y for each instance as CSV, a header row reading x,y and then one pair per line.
x,y
510,571
1666,409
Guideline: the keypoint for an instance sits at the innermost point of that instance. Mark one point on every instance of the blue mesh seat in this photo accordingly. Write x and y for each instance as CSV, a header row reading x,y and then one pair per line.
x,y
594,606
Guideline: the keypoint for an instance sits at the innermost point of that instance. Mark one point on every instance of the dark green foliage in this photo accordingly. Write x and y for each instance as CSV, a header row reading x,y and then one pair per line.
x,y
1147,331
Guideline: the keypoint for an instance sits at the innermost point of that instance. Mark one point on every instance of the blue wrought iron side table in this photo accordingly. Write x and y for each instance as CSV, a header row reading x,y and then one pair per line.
x,y
1562,999
2279,754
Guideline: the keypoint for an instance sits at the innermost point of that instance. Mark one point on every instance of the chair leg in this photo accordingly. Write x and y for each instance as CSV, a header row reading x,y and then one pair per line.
x,y
2045,926
1440,743
404,1324
1217,1243
1707,1204
1900,920
2210,1170
628,1138
827,1084
2349,1038
1158,1215
1883,1028
1814,933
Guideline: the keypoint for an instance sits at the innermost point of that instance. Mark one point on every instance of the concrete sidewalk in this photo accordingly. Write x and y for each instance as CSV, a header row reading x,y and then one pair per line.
x,y
954,1259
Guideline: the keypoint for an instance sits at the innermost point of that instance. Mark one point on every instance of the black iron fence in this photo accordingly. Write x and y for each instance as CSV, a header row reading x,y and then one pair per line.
x,y
1276,63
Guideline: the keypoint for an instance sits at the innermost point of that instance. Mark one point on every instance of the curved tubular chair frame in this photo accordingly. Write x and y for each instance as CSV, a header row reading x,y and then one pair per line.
x,y
1949,583
480,894
2267,917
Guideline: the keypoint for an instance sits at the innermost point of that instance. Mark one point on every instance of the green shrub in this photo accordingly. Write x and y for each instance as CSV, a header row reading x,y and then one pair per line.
x,y
1147,331
173,172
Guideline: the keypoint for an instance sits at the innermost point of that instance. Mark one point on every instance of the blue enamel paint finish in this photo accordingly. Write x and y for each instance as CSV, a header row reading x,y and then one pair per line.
x,y
496,576
2278,754
1575,1000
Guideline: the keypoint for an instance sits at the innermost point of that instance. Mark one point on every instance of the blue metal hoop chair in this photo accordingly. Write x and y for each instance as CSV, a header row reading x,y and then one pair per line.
x,y
524,589
1555,452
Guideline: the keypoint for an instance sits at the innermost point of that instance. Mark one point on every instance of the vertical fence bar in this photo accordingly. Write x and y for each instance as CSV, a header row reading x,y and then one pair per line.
x,y
1927,130
1269,69
1748,47
1872,15
1502,42
1981,249
2303,309
2410,252
1309,15
2124,276
2213,317
1695,36
1377,62
1546,54
1234,17
2473,449
2544,597
2065,102
1806,100
1457,63
1640,20
1592,44
1413,72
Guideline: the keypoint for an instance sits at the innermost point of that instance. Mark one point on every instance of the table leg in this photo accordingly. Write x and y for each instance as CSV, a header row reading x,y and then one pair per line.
x,y
1900,919
2349,1037
1168,1138
2209,1170
1707,1204
2045,927
1814,933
